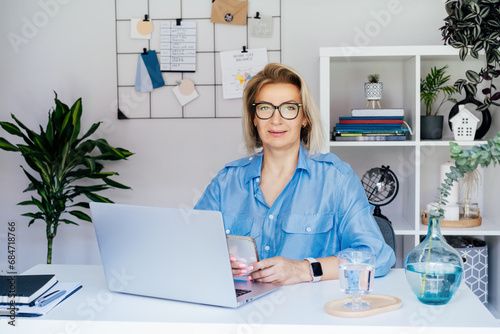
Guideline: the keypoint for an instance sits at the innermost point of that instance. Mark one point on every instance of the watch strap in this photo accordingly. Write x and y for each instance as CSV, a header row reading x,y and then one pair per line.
x,y
316,269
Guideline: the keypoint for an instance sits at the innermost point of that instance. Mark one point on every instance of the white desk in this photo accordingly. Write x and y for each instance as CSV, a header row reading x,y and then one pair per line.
x,y
292,309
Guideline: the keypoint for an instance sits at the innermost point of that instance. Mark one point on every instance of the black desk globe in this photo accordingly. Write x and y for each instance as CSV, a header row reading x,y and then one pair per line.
x,y
381,187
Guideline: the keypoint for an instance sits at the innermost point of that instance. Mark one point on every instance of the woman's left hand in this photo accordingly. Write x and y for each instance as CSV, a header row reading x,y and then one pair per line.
x,y
280,270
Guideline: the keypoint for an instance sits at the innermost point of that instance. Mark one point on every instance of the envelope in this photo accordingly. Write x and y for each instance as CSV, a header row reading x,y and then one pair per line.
x,y
229,12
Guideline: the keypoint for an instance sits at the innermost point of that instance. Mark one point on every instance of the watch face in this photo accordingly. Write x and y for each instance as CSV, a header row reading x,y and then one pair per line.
x,y
316,268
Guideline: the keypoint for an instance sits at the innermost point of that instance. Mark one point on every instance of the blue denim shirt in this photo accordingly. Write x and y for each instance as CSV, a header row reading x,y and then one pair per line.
x,y
322,210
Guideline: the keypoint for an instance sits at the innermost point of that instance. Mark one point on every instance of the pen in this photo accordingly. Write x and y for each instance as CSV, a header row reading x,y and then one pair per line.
x,y
49,298
8,311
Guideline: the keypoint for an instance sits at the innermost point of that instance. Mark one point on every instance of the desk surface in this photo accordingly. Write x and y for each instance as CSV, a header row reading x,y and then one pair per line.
x,y
297,308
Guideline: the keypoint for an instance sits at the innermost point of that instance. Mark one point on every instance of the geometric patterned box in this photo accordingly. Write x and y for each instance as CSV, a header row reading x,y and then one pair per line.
x,y
476,270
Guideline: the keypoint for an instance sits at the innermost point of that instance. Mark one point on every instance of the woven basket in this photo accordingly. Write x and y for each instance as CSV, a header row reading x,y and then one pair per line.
x,y
454,223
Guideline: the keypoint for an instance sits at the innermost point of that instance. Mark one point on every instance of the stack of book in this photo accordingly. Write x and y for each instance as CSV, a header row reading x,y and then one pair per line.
x,y
371,125
32,295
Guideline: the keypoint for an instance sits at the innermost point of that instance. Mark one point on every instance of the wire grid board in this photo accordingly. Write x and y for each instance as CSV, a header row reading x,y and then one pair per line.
x,y
211,38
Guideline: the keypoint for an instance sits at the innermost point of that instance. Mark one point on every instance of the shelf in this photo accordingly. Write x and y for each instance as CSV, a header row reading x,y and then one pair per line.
x,y
487,227
415,162
447,142
372,143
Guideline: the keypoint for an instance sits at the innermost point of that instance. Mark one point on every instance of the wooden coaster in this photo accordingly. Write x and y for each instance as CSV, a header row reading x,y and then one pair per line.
x,y
378,304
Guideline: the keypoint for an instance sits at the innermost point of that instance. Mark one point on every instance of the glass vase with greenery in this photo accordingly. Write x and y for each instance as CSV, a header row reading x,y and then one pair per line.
x,y
433,268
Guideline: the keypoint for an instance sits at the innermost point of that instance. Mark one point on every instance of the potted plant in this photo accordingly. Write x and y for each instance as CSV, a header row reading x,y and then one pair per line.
x,y
431,88
373,88
473,26
59,161
434,268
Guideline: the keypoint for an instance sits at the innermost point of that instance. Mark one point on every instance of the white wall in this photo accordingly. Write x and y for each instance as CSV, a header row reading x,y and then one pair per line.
x,y
72,52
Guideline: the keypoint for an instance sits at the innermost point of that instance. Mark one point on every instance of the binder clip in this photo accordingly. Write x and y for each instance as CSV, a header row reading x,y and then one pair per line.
x,y
257,15
178,22
244,49
144,51
146,18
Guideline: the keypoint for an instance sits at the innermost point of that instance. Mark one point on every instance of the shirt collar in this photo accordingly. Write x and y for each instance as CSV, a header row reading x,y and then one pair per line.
x,y
303,162
255,166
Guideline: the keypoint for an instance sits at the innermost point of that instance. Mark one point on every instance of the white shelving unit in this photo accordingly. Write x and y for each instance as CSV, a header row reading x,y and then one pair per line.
x,y
415,162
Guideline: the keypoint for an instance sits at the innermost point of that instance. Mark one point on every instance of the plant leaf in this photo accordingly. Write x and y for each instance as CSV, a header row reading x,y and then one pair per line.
x,y
7,146
67,221
115,184
80,215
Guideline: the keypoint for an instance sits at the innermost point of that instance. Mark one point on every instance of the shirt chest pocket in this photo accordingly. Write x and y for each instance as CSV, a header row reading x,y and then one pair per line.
x,y
307,224
238,225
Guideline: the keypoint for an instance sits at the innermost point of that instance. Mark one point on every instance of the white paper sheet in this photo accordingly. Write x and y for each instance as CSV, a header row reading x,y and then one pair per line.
x,y
178,46
238,67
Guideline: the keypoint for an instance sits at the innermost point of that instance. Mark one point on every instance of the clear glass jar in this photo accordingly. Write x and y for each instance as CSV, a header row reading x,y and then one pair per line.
x,y
434,268
468,210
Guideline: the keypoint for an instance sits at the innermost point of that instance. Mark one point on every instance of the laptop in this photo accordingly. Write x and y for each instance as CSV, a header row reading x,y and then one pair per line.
x,y
171,253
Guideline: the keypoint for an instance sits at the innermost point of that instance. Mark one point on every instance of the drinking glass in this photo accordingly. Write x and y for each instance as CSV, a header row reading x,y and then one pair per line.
x,y
356,273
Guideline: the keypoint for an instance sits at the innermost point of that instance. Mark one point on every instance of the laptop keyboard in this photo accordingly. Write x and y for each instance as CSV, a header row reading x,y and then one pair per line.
x,y
240,292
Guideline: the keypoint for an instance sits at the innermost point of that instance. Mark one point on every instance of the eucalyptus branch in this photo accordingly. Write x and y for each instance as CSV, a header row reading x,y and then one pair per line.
x,y
466,161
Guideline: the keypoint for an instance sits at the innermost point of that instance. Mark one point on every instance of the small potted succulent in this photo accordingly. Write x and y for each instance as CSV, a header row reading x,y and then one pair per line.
x,y
373,88
431,88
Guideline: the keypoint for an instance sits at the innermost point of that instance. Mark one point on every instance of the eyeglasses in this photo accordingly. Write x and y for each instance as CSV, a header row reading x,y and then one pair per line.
x,y
287,110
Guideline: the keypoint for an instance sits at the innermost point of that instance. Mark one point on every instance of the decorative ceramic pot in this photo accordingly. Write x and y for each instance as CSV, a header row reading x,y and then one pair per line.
x,y
434,268
373,91
431,127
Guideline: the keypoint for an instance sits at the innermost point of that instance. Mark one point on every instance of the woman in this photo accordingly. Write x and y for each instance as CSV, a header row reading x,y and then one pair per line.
x,y
301,207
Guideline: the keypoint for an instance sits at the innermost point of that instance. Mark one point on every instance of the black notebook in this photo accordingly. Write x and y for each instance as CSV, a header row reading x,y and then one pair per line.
x,y
24,289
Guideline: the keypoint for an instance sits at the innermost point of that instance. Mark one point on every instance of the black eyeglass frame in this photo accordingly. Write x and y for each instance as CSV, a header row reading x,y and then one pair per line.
x,y
279,110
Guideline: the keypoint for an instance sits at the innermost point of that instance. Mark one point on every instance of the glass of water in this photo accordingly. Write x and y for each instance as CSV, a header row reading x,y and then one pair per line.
x,y
356,273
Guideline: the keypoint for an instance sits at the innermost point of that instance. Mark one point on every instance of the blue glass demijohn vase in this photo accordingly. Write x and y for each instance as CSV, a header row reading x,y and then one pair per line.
x,y
434,268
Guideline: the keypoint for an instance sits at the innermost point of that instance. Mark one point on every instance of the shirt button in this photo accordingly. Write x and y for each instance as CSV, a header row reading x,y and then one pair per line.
x,y
257,179
266,248
227,231
271,216
250,158
308,229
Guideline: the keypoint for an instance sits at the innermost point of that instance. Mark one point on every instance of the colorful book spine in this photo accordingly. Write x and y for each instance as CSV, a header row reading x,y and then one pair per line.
x,y
368,127
371,138
369,120
394,112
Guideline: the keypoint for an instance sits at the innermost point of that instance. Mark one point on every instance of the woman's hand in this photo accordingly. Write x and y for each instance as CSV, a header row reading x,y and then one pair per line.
x,y
239,268
280,270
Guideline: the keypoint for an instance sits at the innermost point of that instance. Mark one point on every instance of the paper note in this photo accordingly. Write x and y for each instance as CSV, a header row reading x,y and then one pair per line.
x,y
185,92
178,46
140,29
238,67
261,27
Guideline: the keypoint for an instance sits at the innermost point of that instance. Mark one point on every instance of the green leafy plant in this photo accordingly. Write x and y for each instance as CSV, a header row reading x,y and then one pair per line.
x,y
466,161
373,78
434,85
473,26
60,159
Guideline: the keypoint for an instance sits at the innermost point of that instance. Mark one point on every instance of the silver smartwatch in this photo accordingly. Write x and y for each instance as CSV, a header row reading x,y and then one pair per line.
x,y
316,270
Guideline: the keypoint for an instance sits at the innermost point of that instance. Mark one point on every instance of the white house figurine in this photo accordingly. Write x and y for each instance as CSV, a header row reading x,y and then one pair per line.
x,y
464,124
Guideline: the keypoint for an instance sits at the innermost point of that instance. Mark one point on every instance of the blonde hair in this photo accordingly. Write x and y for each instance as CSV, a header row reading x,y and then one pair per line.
x,y
311,135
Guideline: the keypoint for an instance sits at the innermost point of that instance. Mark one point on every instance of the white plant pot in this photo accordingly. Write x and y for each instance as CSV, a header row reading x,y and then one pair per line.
x,y
373,91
